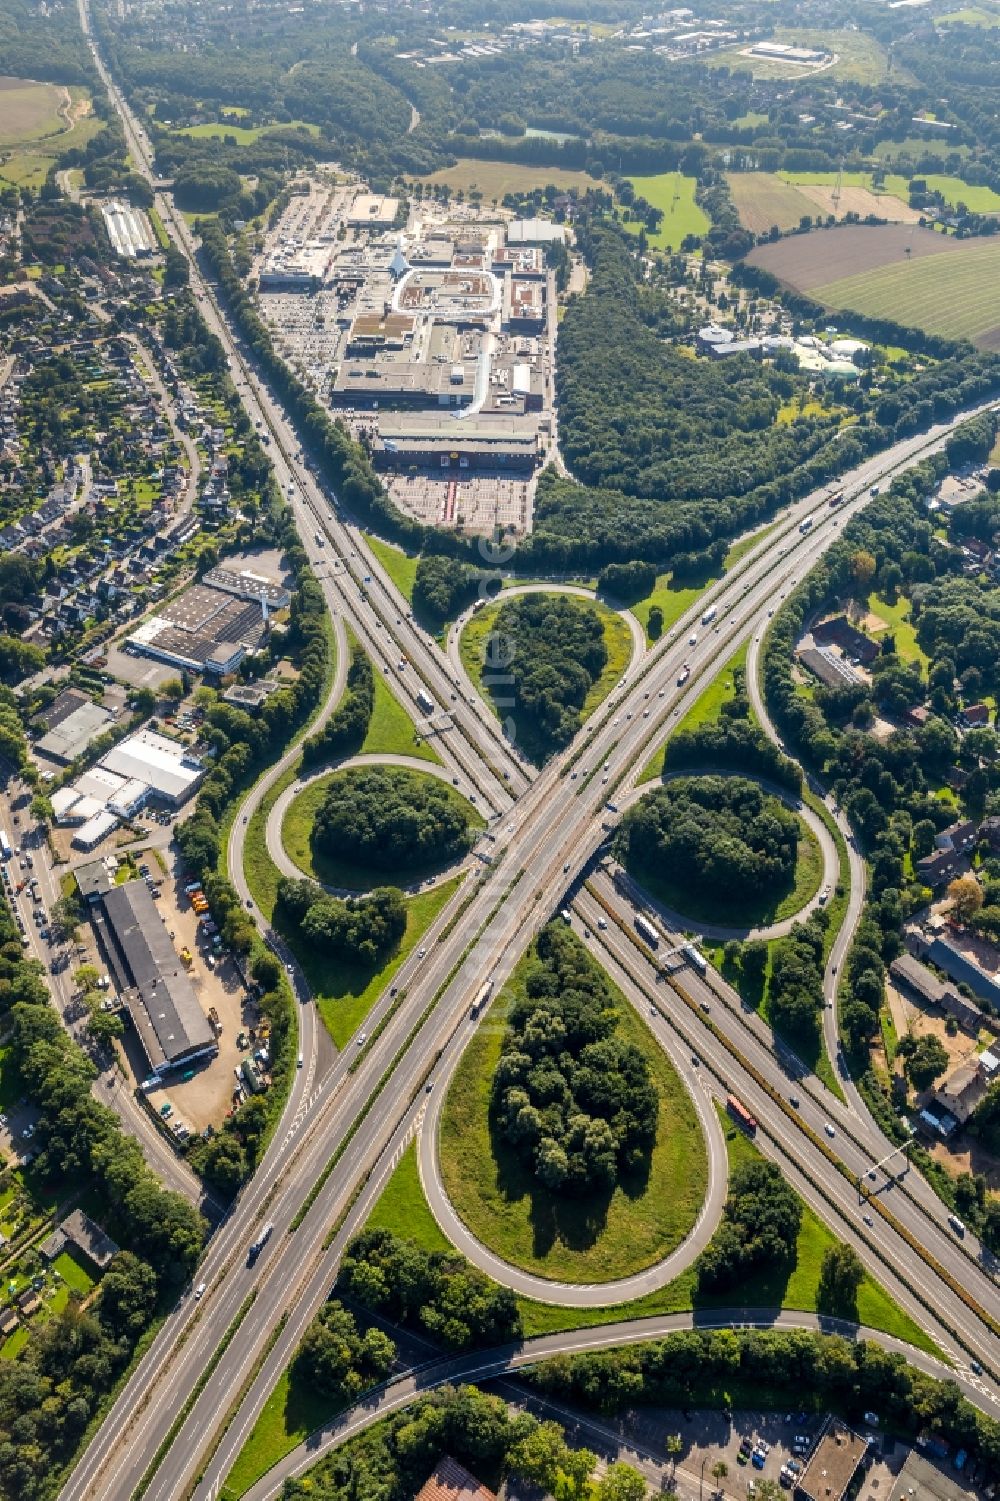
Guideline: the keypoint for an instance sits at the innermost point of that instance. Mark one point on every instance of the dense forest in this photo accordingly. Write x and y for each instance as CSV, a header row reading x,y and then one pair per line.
x,y
575,1101
387,818
540,660
758,1230
363,930
719,836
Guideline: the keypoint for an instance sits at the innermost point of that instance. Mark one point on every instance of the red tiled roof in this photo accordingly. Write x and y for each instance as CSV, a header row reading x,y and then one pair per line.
x,y
452,1482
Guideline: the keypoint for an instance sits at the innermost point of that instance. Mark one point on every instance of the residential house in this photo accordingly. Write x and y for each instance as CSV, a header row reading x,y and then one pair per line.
x,y
973,716
838,631
958,837
917,717
450,1481
911,974
962,1090
943,865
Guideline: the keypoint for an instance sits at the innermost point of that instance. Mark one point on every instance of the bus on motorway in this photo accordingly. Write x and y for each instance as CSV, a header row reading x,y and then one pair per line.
x,y
645,930
741,1115
5,849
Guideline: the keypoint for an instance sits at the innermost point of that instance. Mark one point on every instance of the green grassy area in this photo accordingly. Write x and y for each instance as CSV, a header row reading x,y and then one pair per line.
x,y
399,565
74,1274
897,618
296,834
954,293
970,15
707,706
617,639
755,909
391,731
292,1411
676,598
593,1240
29,111
673,193
244,135
403,1209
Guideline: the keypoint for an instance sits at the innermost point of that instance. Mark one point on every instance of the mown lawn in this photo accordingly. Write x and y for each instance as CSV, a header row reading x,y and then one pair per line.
x,y
391,731
290,1414
593,1240
706,707
399,565
897,618
402,1207
673,193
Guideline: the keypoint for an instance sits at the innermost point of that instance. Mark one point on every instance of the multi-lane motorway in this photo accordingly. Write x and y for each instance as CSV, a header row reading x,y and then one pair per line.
x,y
346,1121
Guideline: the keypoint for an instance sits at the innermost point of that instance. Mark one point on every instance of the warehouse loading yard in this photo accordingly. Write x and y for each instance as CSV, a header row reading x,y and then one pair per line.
x,y
433,340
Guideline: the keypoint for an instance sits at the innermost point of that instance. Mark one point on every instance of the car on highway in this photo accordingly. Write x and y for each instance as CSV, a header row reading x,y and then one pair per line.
x,y
693,639
199,1290
868,1220
828,1128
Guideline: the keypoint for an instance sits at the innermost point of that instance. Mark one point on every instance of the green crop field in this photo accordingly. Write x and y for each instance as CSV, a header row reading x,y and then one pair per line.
x,y
674,194
957,295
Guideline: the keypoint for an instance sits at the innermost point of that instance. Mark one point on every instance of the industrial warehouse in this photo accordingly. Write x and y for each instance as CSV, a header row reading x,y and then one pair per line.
x,y
145,766
128,230
151,979
211,626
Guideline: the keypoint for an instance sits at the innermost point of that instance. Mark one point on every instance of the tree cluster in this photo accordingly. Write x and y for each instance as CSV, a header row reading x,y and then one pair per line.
x,y
847,1375
361,929
575,1101
438,1293
719,835
338,1361
385,817
541,659
345,730
443,587
758,1230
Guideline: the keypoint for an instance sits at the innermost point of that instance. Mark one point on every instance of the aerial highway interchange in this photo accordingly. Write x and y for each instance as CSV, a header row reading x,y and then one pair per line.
x,y
348,1117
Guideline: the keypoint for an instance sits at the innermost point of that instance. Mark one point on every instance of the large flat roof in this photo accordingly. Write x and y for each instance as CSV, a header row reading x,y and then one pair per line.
x,y
833,1464
70,736
166,1012
147,757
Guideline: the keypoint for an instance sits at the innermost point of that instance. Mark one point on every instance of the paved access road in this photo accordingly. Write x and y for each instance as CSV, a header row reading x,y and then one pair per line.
x,y
505,1359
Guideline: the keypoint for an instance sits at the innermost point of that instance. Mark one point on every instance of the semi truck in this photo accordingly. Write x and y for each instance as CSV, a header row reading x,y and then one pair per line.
x,y
481,996
645,930
741,1115
260,1243
425,701
695,958
5,849
709,615
806,526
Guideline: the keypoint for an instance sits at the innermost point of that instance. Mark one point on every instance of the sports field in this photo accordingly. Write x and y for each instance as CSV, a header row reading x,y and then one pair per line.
x,y
911,275
674,194
494,179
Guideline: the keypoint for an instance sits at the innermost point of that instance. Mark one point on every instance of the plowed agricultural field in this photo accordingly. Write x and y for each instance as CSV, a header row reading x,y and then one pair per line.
x,y
913,276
